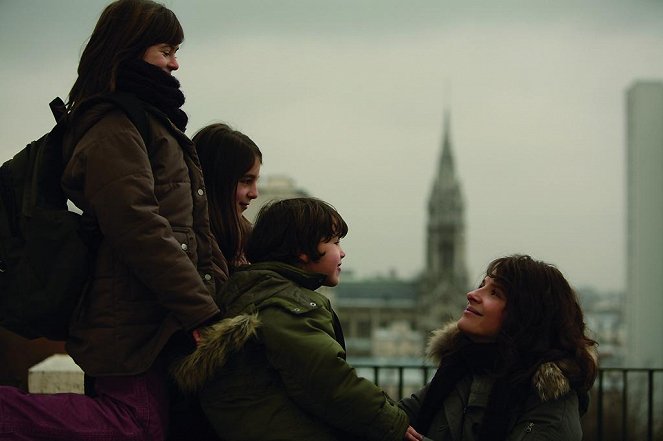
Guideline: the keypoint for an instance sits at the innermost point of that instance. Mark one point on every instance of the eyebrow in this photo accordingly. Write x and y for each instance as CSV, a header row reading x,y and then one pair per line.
x,y
495,282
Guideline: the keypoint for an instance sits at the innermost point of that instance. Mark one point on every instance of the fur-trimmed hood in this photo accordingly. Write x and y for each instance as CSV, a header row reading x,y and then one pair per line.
x,y
217,343
249,290
549,380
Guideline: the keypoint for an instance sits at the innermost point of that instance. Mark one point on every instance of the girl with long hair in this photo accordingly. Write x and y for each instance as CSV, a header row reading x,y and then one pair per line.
x,y
231,165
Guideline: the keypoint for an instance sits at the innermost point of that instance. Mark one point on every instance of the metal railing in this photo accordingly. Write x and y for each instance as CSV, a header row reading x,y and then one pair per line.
x,y
626,400
625,403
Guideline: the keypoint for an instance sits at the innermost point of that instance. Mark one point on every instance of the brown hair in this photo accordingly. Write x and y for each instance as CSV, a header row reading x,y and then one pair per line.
x,y
285,229
125,29
543,318
225,156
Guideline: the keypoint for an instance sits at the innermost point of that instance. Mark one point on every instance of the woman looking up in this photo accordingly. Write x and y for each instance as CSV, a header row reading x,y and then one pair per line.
x,y
518,364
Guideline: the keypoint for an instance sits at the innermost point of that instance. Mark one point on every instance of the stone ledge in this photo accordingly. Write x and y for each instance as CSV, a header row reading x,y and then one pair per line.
x,y
58,373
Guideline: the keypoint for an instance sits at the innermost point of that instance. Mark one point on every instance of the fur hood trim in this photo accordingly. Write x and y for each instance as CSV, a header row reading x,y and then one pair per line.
x,y
548,380
217,343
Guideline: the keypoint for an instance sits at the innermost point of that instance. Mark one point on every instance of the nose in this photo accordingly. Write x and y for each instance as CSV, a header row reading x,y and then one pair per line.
x,y
473,297
253,192
173,64
342,253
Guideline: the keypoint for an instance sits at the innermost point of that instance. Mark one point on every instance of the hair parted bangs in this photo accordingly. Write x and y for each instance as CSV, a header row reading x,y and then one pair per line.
x,y
286,229
165,28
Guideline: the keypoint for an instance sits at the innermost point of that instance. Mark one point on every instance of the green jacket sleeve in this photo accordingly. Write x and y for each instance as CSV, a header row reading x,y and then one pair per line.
x,y
312,366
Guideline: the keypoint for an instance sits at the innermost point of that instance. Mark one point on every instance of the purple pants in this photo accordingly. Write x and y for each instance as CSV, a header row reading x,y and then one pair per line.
x,y
125,408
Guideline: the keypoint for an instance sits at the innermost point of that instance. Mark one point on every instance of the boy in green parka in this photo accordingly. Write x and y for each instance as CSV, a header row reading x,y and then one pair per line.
x,y
274,368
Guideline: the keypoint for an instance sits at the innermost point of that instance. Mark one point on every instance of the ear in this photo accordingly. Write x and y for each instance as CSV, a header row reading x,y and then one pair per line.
x,y
304,258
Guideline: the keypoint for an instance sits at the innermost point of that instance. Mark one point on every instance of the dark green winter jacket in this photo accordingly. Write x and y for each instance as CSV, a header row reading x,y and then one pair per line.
x,y
274,369
550,414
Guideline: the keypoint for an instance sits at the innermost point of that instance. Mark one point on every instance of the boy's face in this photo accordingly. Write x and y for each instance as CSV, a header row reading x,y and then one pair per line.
x,y
329,264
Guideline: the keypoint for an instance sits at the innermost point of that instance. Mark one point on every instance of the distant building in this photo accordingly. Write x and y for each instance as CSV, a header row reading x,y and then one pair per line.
x,y
378,318
397,340
444,279
644,190
604,316
271,188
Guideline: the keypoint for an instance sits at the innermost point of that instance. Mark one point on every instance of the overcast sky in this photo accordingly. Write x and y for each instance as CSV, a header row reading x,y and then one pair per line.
x,y
347,97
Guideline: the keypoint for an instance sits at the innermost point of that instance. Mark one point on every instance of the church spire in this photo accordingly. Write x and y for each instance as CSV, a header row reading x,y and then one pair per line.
x,y
446,188
446,159
445,276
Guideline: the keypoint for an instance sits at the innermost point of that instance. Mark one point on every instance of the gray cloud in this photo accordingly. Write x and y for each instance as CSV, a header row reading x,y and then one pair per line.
x,y
347,98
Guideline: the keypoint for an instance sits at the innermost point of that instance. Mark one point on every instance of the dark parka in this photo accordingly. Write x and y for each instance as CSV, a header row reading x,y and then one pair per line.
x,y
154,272
275,370
551,414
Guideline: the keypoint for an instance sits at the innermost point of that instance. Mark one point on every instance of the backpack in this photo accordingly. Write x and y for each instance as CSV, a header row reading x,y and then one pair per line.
x,y
45,261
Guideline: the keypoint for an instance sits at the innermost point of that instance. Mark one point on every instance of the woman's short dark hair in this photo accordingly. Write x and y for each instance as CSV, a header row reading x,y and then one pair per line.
x,y
287,228
125,29
543,316
225,156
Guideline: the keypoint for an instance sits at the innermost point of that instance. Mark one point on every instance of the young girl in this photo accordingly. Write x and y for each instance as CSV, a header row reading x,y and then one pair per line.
x,y
517,365
153,271
231,162
274,368
231,165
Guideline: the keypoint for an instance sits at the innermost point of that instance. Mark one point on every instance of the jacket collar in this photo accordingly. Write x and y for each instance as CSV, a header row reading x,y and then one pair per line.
x,y
549,380
306,279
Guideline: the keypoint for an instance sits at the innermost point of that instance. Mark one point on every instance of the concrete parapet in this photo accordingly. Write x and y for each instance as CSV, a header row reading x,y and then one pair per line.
x,y
58,373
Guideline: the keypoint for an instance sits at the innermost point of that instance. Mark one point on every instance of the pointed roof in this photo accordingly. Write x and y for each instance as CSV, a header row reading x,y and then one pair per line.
x,y
446,159
445,203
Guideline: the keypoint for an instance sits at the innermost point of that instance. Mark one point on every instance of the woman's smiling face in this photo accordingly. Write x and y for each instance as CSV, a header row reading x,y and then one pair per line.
x,y
482,318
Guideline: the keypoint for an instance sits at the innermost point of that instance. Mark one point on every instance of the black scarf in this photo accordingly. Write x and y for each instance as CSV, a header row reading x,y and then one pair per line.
x,y
471,358
154,86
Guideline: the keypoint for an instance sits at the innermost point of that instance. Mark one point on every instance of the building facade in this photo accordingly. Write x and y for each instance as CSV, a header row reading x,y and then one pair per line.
x,y
644,236
378,317
273,188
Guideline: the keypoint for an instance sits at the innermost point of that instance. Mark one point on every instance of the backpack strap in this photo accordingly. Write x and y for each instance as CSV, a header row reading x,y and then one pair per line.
x,y
58,109
135,110
133,107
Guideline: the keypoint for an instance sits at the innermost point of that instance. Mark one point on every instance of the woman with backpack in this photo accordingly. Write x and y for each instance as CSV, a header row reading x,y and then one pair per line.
x,y
145,204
